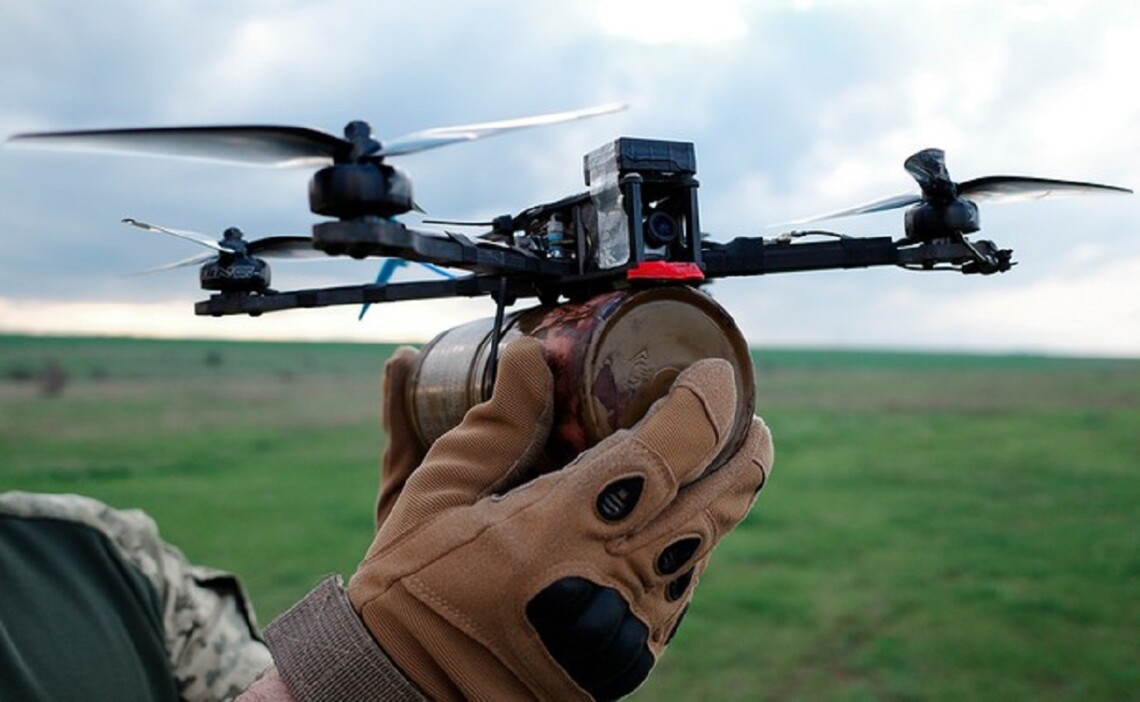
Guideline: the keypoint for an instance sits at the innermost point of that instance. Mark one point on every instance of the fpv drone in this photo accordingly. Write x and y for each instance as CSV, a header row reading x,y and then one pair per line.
x,y
636,224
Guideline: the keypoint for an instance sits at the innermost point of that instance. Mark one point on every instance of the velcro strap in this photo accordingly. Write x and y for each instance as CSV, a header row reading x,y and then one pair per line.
x,y
323,652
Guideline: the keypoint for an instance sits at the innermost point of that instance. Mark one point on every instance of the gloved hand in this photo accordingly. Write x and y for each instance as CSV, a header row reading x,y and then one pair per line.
x,y
567,586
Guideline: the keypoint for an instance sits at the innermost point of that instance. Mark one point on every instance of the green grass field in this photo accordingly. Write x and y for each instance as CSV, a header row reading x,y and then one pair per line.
x,y
937,526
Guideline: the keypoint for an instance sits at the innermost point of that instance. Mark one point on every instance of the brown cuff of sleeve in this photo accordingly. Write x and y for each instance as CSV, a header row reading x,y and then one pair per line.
x,y
323,652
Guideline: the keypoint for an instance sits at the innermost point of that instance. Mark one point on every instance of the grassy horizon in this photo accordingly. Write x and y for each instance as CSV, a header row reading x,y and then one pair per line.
x,y
938,526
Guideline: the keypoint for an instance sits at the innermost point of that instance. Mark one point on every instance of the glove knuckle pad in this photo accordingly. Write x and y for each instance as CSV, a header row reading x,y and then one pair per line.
x,y
677,554
677,588
618,499
593,635
630,484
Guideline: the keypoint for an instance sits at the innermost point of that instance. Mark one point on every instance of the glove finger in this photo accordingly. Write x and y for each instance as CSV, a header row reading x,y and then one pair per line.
x,y
720,500
634,474
496,440
686,532
688,427
403,452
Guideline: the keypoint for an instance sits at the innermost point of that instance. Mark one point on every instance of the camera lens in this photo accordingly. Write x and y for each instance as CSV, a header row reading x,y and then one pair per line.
x,y
660,229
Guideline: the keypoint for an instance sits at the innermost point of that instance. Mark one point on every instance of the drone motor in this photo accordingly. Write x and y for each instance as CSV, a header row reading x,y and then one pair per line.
x,y
352,190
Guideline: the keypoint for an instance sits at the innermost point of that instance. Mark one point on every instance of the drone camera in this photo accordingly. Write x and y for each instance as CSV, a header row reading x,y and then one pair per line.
x,y
641,206
661,229
644,192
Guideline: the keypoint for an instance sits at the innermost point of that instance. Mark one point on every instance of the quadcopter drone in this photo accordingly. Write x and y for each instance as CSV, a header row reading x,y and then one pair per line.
x,y
637,224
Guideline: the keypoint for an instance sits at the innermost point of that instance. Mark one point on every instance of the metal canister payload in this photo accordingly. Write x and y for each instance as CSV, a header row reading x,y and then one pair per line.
x,y
612,356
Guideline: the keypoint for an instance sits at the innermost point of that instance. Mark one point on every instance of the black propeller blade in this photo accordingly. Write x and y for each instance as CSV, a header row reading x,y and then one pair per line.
x,y
257,145
928,168
442,136
280,247
285,247
281,146
1016,188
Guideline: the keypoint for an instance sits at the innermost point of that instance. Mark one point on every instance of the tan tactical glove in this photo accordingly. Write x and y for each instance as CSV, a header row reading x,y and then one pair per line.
x,y
572,584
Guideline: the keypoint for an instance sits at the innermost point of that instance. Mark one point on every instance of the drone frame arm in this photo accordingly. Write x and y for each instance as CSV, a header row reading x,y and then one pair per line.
x,y
746,256
743,256
752,256
467,286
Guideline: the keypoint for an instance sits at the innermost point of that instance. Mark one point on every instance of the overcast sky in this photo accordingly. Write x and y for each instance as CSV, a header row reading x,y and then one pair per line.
x,y
795,108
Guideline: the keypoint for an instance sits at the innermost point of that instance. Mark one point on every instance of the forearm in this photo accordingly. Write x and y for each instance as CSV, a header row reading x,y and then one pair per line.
x,y
267,688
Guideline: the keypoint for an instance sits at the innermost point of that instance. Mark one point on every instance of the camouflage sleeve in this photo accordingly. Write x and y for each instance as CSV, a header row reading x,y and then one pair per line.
x,y
211,635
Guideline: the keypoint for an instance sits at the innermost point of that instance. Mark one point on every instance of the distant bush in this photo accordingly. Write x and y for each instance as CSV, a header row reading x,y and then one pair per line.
x,y
52,379
20,372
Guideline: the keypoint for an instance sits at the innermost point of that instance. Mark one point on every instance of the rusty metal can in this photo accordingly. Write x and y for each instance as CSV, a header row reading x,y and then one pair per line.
x,y
612,356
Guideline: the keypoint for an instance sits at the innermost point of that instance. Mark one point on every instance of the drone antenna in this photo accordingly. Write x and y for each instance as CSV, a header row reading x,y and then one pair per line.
x,y
458,222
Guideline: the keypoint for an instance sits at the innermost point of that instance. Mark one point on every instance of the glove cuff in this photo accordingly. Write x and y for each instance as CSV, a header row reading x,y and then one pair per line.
x,y
323,652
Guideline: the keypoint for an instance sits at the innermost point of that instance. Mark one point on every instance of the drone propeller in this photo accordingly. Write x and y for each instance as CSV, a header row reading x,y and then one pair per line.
x,y
282,247
442,136
928,168
283,146
353,180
